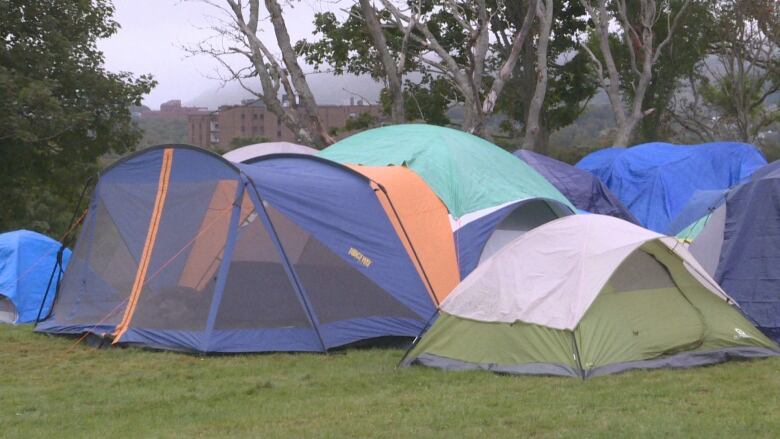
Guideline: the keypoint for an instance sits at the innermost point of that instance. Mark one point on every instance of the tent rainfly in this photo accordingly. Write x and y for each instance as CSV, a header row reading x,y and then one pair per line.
x,y
468,173
596,295
581,187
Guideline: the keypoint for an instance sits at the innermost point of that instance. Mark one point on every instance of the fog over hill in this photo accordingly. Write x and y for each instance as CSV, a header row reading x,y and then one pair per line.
x,y
328,89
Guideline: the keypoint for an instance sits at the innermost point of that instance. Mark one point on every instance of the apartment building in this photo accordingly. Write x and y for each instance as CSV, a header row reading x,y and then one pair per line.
x,y
251,119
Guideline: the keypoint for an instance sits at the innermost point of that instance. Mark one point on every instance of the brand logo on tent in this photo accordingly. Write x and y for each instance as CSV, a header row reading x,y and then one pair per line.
x,y
740,334
360,257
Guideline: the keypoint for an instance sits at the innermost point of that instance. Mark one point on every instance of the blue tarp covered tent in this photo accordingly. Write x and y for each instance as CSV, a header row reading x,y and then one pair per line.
x,y
655,180
27,261
581,187
183,250
739,245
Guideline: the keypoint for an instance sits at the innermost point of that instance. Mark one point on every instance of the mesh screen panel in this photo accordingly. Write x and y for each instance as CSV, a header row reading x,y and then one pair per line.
x,y
100,273
527,216
258,292
336,289
641,271
187,251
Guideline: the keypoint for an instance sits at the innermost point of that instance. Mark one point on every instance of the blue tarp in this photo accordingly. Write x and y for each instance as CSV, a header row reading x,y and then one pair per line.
x,y
655,180
581,187
27,260
749,267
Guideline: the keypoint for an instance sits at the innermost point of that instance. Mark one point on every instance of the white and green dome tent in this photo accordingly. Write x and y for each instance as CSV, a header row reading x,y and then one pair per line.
x,y
588,295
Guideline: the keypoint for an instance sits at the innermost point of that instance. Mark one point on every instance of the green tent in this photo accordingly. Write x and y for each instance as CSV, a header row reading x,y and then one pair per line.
x,y
596,295
468,173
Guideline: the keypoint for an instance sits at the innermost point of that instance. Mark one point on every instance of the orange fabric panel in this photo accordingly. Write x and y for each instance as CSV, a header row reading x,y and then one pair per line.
x,y
425,220
206,254
151,236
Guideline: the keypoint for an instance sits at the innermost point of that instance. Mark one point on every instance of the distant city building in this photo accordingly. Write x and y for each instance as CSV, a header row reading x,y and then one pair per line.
x,y
171,110
253,119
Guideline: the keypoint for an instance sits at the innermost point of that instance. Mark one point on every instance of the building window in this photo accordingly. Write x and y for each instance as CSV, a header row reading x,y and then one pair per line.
x,y
242,128
254,116
242,116
279,134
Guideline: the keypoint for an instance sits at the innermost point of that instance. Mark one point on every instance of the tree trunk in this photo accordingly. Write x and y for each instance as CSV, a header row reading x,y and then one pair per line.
x,y
545,15
308,105
392,72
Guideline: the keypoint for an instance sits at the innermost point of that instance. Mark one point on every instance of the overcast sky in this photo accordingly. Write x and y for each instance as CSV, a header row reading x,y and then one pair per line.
x,y
153,31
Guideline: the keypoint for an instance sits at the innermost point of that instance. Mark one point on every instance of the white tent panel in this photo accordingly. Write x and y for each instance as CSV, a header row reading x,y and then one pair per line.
x,y
249,152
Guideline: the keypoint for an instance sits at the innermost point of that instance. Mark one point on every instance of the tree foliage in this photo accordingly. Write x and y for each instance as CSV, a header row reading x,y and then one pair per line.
x,y
570,87
60,110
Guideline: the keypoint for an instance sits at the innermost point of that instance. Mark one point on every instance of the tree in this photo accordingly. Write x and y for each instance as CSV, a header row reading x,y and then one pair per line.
x,y
688,48
60,110
569,86
728,93
446,41
635,24
239,36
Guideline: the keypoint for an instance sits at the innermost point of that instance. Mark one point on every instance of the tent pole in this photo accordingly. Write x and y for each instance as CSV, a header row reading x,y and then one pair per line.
x,y
411,245
577,355
222,274
63,244
417,338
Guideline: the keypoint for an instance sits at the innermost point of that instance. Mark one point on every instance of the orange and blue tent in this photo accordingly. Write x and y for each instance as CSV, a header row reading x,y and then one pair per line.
x,y
184,250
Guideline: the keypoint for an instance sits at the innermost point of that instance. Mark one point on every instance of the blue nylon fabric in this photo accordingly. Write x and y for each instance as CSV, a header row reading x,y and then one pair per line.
x,y
274,339
26,263
339,208
581,187
749,267
700,204
471,238
655,180
348,331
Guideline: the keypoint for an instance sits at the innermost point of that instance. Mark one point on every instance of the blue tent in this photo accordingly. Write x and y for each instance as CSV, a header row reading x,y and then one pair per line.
x,y
582,188
739,245
655,180
27,261
183,250
482,236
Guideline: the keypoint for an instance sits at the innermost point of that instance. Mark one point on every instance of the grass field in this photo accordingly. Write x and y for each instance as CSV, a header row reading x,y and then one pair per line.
x,y
53,389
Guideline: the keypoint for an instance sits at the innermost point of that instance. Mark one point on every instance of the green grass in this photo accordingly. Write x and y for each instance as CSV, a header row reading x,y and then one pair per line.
x,y
53,389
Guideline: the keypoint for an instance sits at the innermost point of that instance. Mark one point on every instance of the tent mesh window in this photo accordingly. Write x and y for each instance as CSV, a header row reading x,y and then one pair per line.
x,y
525,217
188,250
103,265
641,271
258,292
337,290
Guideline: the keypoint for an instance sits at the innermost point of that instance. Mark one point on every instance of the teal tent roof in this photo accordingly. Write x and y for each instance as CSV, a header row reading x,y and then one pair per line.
x,y
468,173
